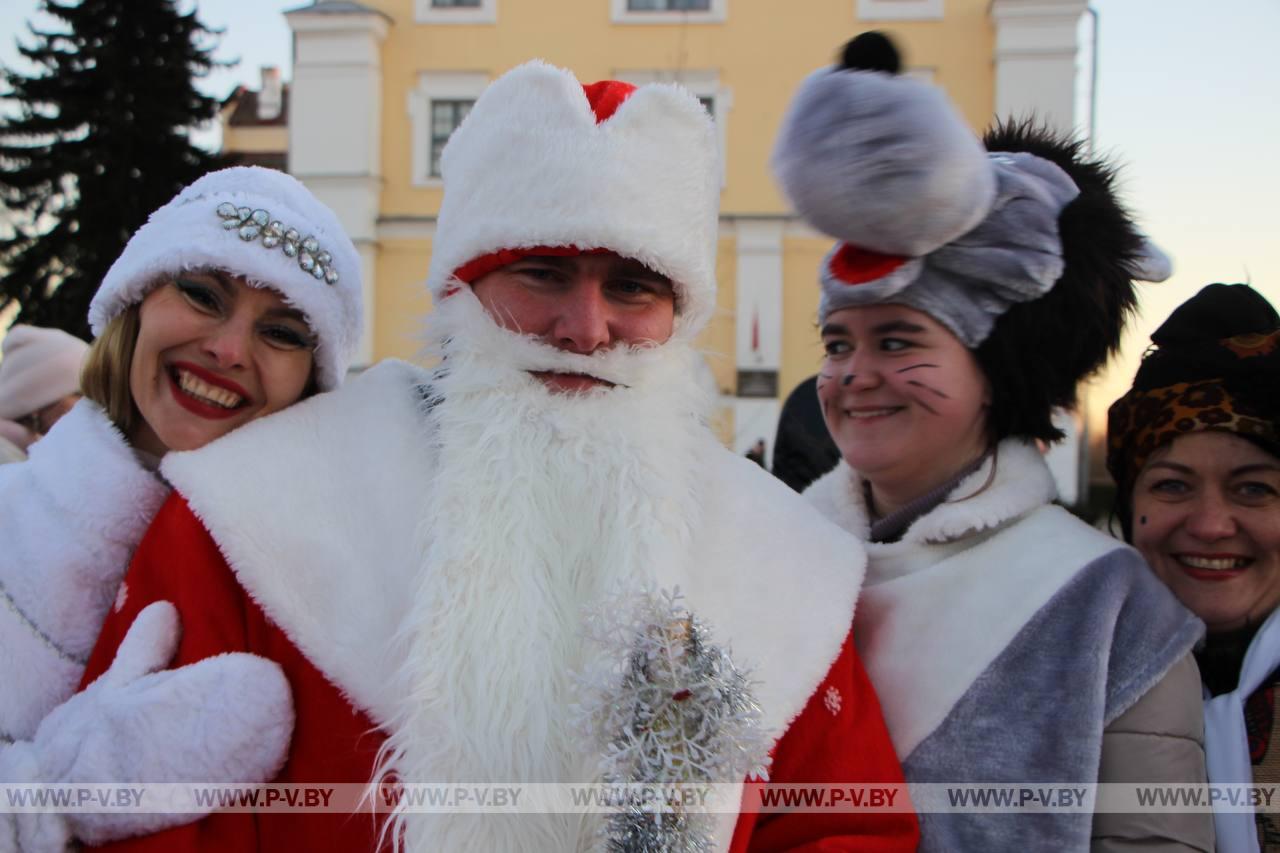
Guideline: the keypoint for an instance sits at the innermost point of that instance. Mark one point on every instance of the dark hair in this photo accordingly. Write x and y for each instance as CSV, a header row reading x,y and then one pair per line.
x,y
1039,351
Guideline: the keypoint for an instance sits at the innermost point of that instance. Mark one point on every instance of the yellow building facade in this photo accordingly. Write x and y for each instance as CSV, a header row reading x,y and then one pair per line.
x,y
377,85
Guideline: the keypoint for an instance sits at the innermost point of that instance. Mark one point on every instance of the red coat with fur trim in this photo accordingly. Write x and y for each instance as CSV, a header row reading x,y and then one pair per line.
x,y
838,739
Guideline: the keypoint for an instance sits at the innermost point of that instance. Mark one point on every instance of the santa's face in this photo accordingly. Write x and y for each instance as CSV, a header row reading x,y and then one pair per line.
x,y
584,304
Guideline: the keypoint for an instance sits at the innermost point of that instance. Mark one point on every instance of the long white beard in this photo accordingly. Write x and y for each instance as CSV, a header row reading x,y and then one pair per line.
x,y
542,504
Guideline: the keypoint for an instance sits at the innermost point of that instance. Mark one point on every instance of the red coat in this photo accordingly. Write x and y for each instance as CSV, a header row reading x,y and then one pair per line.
x,y
178,561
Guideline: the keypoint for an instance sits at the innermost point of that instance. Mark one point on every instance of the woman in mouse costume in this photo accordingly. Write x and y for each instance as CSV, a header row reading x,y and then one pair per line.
x,y
973,287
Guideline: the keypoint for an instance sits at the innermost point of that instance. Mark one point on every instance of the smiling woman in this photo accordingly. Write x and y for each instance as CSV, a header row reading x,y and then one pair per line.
x,y
213,353
235,300
975,284
1194,448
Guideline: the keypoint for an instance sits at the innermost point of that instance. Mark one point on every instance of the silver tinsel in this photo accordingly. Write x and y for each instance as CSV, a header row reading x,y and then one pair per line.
x,y
667,707
251,224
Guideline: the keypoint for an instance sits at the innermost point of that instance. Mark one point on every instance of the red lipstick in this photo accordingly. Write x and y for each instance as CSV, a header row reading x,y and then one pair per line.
x,y
199,407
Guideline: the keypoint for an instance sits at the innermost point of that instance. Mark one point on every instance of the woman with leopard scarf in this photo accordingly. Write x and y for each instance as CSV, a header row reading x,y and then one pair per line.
x,y
1194,448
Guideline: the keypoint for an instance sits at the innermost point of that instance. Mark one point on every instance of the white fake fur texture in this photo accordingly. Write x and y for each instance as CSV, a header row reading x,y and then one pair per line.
x,y
224,719
531,167
941,604
70,518
186,234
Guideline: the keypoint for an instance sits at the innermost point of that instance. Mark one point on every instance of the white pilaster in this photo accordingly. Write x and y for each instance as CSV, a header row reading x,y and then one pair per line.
x,y
335,122
1037,58
759,329
1036,55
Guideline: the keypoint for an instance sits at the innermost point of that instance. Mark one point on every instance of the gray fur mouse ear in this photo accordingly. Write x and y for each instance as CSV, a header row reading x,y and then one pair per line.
x,y
1152,263
881,161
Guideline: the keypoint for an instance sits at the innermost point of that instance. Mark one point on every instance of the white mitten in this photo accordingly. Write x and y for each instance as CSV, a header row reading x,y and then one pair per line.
x,y
228,719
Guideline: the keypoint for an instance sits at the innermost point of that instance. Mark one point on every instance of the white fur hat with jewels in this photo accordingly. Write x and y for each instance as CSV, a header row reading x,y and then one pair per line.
x,y
260,224
543,161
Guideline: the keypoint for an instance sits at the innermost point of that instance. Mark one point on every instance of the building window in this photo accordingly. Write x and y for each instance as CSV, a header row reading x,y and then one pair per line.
x,y
668,11
899,10
437,105
455,11
445,118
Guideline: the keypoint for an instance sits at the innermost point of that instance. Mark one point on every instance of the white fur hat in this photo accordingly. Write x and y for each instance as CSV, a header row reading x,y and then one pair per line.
x,y
542,161
260,224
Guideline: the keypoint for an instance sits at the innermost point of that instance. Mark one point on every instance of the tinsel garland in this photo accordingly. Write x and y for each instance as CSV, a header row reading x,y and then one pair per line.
x,y
667,707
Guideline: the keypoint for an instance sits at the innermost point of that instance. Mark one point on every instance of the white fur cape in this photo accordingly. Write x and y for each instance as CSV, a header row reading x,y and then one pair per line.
x,y
70,518
921,650
314,508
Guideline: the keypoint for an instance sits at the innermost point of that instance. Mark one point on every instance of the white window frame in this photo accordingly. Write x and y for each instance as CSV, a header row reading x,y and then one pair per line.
x,y
436,86
701,84
485,13
717,13
899,10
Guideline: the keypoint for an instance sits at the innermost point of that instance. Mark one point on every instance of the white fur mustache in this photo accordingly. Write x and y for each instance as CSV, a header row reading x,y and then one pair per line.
x,y
462,318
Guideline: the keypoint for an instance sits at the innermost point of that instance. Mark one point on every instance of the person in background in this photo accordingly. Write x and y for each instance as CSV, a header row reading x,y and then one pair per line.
x,y
803,450
1194,448
975,284
236,299
757,452
39,383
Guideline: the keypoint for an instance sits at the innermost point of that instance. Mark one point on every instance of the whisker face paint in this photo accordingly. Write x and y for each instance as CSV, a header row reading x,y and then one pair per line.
x,y
929,388
915,367
847,380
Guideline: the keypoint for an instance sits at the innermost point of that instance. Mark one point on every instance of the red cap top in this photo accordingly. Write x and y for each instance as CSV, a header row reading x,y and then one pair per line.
x,y
606,96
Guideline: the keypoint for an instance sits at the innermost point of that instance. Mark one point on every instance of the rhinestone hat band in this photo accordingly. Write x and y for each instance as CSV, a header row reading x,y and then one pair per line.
x,y
251,224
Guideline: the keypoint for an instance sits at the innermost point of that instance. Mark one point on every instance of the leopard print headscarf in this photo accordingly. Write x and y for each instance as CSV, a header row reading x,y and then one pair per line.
x,y
1197,379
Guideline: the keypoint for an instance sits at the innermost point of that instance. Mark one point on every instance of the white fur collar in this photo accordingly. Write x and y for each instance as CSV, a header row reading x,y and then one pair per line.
x,y
942,603
313,508
84,451
1022,482
298,516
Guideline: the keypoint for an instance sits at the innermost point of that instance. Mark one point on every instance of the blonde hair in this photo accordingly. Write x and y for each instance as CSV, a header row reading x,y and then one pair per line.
x,y
105,376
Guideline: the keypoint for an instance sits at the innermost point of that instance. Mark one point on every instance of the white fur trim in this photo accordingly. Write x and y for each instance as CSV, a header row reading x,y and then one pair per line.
x,y
293,501
1021,483
776,582
941,604
70,518
775,578
187,234
1226,740
531,167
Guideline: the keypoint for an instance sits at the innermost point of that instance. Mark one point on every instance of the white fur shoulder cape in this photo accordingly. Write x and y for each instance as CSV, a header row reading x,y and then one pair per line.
x,y
945,601
315,506
70,517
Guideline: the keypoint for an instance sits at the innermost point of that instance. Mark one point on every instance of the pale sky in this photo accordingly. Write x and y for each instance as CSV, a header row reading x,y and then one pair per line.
x,y
1188,102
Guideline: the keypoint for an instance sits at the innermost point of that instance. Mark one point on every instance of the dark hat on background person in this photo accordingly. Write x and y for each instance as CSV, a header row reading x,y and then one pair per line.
x,y
1015,242
1214,366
